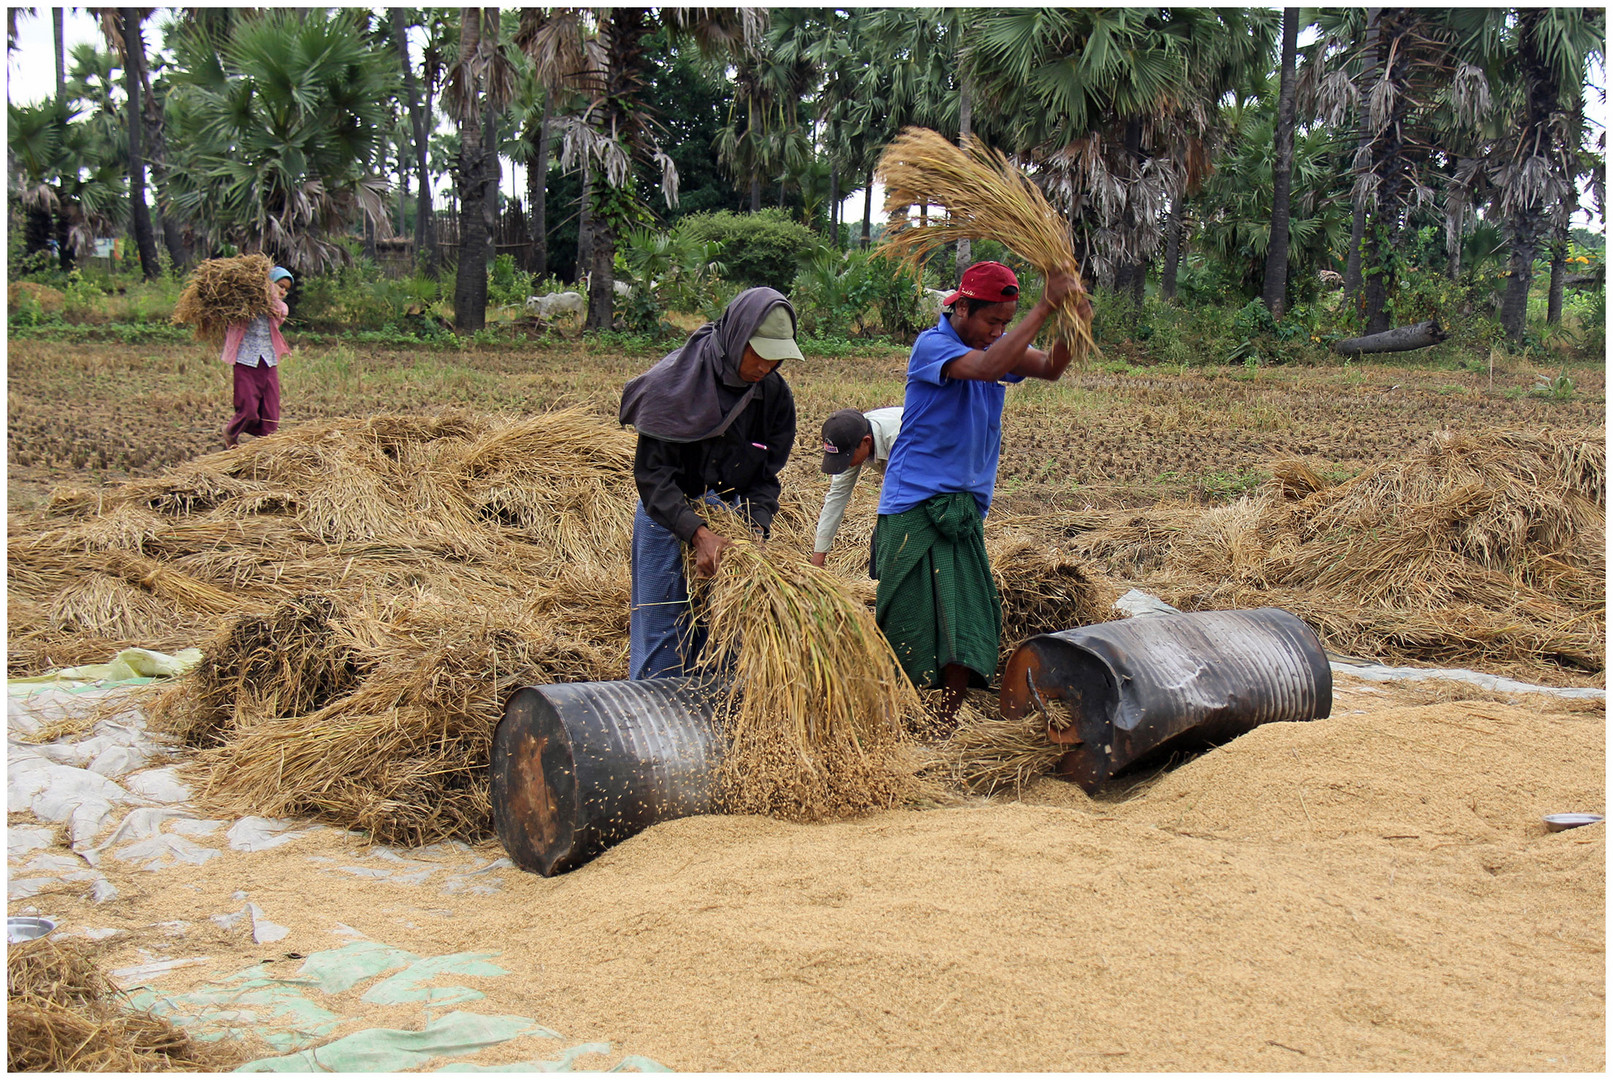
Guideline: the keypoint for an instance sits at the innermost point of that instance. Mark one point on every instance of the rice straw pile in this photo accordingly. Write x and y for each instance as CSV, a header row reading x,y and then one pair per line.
x,y
986,198
813,722
1042,586
63,1014
221,292
365,593
1482,549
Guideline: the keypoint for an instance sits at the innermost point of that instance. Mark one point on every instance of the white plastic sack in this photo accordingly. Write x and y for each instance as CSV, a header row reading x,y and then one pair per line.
x,y
159,785
253,833
162,851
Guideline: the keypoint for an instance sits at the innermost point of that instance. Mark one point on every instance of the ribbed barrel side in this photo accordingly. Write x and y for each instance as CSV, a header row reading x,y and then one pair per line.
x,y
612,759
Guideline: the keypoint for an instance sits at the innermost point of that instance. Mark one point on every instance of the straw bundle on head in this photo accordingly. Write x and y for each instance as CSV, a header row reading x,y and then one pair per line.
x,y
813,725
63,1014
224,291
986,198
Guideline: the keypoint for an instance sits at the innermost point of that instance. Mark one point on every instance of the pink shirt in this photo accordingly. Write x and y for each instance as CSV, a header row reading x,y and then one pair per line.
x,y
237,333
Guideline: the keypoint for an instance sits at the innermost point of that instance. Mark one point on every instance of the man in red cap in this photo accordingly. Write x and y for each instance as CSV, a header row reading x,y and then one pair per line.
x,y
936,602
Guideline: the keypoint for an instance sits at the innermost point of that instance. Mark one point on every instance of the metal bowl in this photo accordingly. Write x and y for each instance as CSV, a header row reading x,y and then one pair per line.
x,y
1559,822
26,928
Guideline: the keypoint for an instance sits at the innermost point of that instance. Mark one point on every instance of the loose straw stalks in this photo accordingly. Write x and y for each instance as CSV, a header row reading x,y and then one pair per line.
x,y
63,1014
986,198
814,717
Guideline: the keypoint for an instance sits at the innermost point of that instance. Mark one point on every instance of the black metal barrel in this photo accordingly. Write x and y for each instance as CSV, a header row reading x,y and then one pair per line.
x,y
578,767
1122,692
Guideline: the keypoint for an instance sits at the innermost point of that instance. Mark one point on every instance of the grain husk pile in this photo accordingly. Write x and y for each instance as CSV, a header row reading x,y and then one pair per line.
x,y
64,1014
221,292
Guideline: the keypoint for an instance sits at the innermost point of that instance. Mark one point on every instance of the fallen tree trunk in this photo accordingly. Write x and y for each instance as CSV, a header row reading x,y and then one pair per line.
x,y
1400,339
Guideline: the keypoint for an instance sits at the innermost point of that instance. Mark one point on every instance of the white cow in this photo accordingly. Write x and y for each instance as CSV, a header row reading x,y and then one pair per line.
x,y
551,305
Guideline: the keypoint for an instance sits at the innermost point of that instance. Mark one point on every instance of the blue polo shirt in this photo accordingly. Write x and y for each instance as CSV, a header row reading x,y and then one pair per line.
x,y
951,428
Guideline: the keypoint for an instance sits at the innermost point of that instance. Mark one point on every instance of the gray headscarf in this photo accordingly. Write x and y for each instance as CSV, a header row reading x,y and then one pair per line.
x,y
677,399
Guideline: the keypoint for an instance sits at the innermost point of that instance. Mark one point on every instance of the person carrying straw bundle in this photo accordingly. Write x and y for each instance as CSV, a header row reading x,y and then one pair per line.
x,y
253,349
715,422
937,603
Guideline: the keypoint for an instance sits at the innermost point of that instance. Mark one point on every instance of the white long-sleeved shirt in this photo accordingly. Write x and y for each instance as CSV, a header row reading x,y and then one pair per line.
x,y
885,424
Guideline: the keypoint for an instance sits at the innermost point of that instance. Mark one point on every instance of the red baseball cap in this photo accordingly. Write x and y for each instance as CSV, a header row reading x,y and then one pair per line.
x,y
986,281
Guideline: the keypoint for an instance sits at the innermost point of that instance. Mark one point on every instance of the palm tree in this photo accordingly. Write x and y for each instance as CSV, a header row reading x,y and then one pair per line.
x,y
1276,285
123,29
600,54
425,233
479,86
1234,206
1113,107
1534,166
276,133
764,136
1409,65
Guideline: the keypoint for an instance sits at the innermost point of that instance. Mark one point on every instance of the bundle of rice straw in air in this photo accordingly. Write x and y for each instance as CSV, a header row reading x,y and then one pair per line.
x,y
813,724
63,1014
986,198
224,291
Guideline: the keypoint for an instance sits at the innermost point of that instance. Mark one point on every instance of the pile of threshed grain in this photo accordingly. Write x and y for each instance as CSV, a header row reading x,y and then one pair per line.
x,y
1479,549
221,292
986,198
63,1014
814,720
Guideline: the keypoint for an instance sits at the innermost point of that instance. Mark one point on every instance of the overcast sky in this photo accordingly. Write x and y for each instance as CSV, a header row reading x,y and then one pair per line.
x,y
31,77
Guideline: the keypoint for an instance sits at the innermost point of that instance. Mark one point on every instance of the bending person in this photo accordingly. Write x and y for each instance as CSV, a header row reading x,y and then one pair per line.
x,y
937,603
850,439
715,420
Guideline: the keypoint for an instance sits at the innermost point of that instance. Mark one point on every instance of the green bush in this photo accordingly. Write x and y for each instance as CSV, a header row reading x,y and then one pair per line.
x,y
506,284
837,295
764,248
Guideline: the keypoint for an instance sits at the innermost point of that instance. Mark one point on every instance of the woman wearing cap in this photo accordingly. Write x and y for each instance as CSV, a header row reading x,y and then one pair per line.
x,y
936,602
715,420
253,351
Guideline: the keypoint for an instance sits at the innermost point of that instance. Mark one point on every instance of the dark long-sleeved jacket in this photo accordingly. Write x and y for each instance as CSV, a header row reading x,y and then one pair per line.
x,y
743,461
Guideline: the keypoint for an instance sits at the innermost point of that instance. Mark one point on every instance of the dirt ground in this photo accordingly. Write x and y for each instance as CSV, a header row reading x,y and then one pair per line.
x,y
1372,891
88,413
